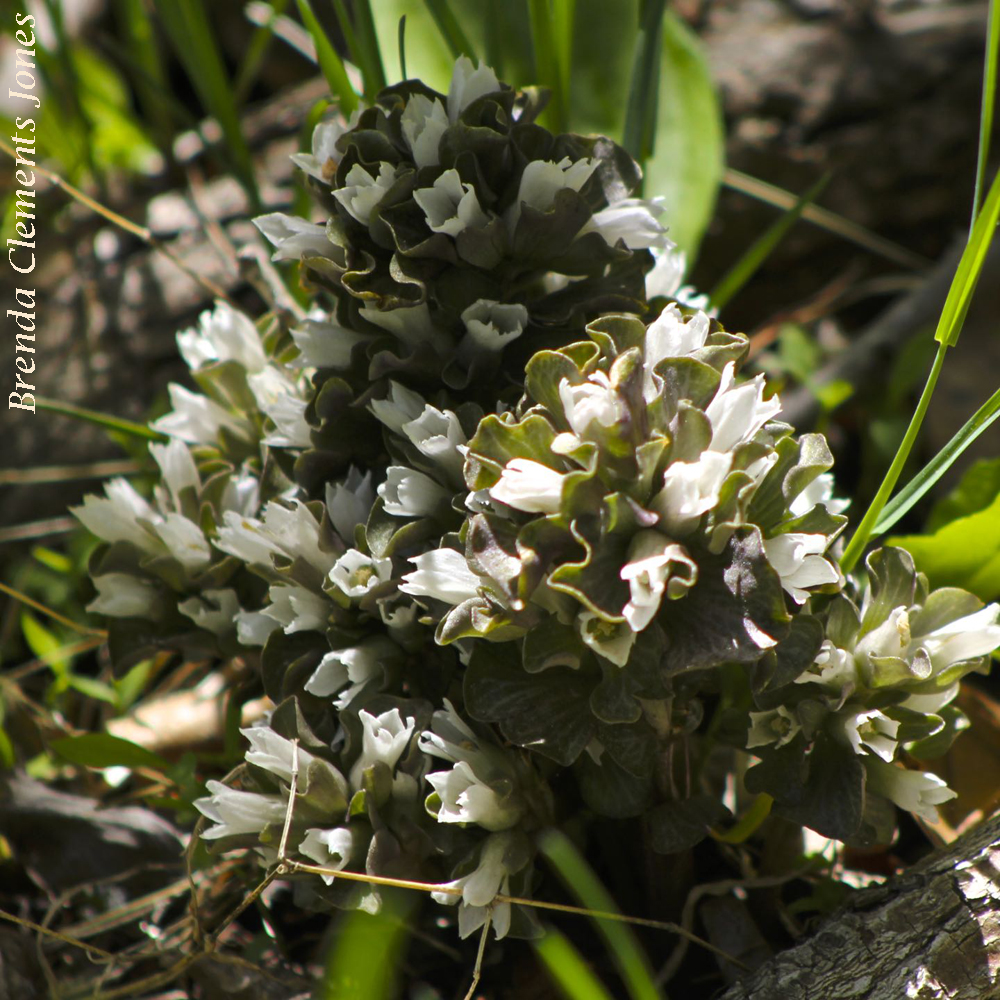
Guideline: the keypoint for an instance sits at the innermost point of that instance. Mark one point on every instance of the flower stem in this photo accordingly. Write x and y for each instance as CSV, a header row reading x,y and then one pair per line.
x,y
864,530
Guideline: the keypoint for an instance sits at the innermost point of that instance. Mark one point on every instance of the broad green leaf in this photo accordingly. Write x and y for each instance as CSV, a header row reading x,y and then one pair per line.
x,y
976,490
687,162
584,884
939,465
963,553
568,969
105,750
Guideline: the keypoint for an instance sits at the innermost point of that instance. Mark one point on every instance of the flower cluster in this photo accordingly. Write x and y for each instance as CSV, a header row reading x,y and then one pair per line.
x,y
502,510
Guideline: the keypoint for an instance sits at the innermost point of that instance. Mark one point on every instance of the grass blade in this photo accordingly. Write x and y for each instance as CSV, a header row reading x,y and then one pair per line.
x,y
568,968
451,31
401,43
547,73
745,268
100,419
372,71
687,162
256,50
639,135
915,489
989,95
329,62
193,40
584,884
969,268
148,74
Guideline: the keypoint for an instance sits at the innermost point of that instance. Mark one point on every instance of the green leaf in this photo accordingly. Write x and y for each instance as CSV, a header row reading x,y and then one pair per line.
x,y
976,490
104,750
92,688
100,419
568,969
678,826
639,133
963,285
915,489
428,56
989,97
762,248
548,72
190,30
687,161
963,553
451,31
329,62
584,884
43,643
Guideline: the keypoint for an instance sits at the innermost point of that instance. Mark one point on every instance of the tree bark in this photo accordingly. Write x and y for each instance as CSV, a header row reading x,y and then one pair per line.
x,y
931,933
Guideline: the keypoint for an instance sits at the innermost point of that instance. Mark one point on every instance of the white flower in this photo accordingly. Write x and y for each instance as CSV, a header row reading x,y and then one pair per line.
x,y
254,627
490,326
651,572
281,399
481,887
291,531
633,220
738,412
274,753
177,469
361,192
213,610
798,559
321,163
612,640
356,574
351,668
412,325
401,406
185,541
931,704
223,334
543,179
438,435
451,205
234,812
323,344
384,740
297,609
424,122
670,335
115,516
820,490
121,595
349,502
241,494
869,729
594,399
690,489
467,799
442,574
197,419
833,668
529,486
295,238
918,792
450,738
963,639
777,726
468,84
667,279
329,848
891,638
409,493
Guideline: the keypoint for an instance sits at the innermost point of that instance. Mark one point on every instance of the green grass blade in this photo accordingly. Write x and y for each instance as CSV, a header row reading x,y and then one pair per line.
x,y
547,72
190,31
401,43
100,419
584,884
255,52
329,62
149,77
372,71
639,134
915,489
969,268
568,968
563,18
450,28
745,268
989,96
687,162
366,954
